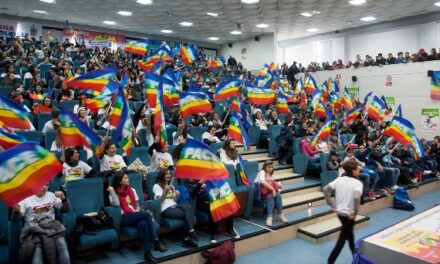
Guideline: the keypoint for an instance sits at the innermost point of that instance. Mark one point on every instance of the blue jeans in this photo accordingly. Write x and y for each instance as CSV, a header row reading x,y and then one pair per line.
x,y
391,175
181,211
143,221
272,201
314,159
62,252
374,177
365,179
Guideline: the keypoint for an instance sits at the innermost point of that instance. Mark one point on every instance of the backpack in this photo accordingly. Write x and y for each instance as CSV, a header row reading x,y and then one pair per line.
x,y
223,254
402,201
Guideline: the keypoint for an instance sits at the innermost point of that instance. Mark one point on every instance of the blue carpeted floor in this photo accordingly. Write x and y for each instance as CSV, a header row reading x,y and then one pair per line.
x,y
300,251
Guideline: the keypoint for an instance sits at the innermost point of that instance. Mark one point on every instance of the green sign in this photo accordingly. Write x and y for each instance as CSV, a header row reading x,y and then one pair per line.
x,y
389,100
430,112
353,90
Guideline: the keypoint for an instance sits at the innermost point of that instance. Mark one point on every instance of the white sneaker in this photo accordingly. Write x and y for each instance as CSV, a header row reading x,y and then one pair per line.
x,y
426,172
394,187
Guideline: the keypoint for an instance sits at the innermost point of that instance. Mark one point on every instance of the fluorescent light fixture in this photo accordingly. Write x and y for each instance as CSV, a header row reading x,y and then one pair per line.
x,y
125,13
437,4
250,1
306,14
262,25
166,31
357,2
144,2
235,32
212,14
40,12
312,30
368,18
186,24
109,22
48,1
213,38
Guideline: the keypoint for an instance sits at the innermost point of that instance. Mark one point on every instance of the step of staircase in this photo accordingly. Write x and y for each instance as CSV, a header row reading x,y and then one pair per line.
x,y
303,201
253,155
300,187
328,229
287,177
241,149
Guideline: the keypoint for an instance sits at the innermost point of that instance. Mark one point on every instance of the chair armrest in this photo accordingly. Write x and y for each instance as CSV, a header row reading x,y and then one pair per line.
x,y
115,213
14,237
68,219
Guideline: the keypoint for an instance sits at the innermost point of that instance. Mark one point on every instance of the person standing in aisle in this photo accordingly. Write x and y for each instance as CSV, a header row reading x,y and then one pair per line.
x,y
348,193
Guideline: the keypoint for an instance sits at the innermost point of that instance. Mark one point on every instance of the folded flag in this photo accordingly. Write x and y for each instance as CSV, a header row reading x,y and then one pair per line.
x,y
237,131
39,108
376,110
323,133
193,103
403,131
188,53
124,126
241,171
9,140
260,96
139,47
24,170
14,115
199,162
222,201
227,89
435,85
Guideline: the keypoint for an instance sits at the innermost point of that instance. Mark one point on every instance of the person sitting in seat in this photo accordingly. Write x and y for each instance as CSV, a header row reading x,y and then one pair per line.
x,y
73,168
160,158
110,160
229,154
210,136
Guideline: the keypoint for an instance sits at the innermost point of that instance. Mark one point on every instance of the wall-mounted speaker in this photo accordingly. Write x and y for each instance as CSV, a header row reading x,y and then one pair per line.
x,y
257,38
354,78
430,72
230,45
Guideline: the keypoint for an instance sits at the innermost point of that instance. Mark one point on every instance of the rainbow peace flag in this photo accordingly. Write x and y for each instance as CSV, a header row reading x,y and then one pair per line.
x,y
148,64
237,131
272,67
24,170
218,62
193,103
159,117
222,200
170,95
75,133
188,53
117,106
9,140
227,89
299,86
346,100
282,107
403,131
320,110
353,114
95,104
13,115
310,84
323,133
95,80
316,98
35,96
124,125
376,110
152,82
260,96
241,172
398,111
237,107
304,101
139,47
199,162
435,85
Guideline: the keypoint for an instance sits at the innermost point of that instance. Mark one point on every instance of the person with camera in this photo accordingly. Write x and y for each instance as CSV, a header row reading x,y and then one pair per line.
x,y
121,194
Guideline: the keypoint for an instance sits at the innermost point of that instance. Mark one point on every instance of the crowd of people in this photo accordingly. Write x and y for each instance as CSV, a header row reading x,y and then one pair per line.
x,y
385,164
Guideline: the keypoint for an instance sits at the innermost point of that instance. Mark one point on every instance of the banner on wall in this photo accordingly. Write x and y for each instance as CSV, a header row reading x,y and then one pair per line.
x,y
430,120
389,80
353,91
390,101
12,28
93,38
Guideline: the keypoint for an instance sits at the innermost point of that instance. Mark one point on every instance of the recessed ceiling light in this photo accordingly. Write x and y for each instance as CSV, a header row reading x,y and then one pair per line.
x,y
368,18
144,2
125,13
312,30
306,14
437,4
236,32
250,1
212,14
213,38
48,1
40,12
262,25
166,31
357,2
186,24
109,22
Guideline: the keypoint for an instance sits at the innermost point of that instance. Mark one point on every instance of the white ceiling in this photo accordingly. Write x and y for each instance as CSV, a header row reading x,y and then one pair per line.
x,y
282,16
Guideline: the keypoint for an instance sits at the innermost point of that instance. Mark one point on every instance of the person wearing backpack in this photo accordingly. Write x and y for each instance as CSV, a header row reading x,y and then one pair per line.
x,y
348,193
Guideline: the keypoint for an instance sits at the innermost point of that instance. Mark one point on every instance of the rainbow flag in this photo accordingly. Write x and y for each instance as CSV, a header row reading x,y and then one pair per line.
x,y
316,98
222,200
218,62
14,115
346,100
149,64
9,140
25,169
403,131
260,96
170,95
139,47
323,133
188,53
282,107
272,67
241,172
199,162
299,86
376,110
95,80
335,102
304,101
35,96
95,104
310,84
227,89
124,125
4,127
152,82
193,103
398,111
236,131
159,117
435,85
320,110
353,114
117,106
75,133
237,107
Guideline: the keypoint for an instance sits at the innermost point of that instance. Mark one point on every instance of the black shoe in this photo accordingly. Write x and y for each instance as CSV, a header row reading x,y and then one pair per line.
x,y
214,238
158,246
148,257
193,236
231,232
188,242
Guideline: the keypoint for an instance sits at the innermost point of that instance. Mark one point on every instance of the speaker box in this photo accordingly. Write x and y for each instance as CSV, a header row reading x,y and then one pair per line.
x,y
257,38
430,72
230,45
354,78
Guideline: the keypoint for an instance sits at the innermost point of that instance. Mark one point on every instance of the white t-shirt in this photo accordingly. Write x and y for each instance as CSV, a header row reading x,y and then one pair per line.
x,y
210,137
77,172
262,124
260,176
55,148
225,159
109,163
160,160
128,201
323,147
168,201
345,191
48,127
34,206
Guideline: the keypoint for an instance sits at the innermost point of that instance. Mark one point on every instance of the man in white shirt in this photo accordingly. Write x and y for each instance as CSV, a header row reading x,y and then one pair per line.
x,y
348,193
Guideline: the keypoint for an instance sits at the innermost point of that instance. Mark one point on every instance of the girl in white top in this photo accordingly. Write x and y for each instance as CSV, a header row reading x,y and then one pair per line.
x,y
111,160
322,146
209,136
73,168
181,134
260,121
229,154
168,197
160,158
272,190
